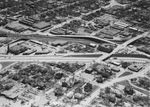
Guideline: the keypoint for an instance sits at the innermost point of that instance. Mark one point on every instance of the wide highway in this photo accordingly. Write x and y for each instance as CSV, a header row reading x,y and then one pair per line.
x,y
46,58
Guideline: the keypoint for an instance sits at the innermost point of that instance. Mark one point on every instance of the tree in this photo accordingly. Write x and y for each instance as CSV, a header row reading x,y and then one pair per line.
x,y
88,87
41,86
8,87
129,90
125,64
119,103
144,82
112,98
99,79
1,86
78,90
17,66
22,102
58,92
44,70
58,75
106,74
16,77
133,0
136,98
118,95
107,90
25,80
64,84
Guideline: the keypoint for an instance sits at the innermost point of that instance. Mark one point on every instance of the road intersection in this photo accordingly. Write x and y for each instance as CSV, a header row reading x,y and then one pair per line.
x,y
87,60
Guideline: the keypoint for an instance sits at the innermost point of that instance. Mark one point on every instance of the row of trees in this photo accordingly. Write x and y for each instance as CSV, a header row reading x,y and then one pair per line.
x,y
69,67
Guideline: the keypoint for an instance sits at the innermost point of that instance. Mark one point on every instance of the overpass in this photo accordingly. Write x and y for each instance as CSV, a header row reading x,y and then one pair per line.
x,y
122,46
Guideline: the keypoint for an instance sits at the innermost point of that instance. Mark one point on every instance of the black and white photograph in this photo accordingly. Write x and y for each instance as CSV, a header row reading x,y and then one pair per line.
x,y
74,53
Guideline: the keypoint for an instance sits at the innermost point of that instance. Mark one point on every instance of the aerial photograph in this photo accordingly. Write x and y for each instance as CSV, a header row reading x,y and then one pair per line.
x,y
74,53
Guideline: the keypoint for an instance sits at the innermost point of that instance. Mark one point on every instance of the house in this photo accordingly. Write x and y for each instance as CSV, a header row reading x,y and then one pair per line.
x,y
115,63
93,45
115,69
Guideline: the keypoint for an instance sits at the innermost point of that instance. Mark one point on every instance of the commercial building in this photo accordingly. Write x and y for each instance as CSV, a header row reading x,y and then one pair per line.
x,y
102,35
105,48
25,22
29,21
41,25
126,34
135,67
110,31
17,49
59,43
101,23
15,28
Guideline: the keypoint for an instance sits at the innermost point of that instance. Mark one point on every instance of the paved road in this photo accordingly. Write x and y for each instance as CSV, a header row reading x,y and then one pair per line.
x,y
45,58
100,59
83,59
122,46
130,59
107,84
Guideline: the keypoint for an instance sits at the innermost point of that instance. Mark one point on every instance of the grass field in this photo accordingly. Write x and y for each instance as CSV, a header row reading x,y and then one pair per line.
x,y
5,64
125,74
124,83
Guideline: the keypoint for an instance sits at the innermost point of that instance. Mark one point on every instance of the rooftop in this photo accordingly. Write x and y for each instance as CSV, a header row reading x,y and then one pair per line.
x,y
16,27
41,25
59,42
